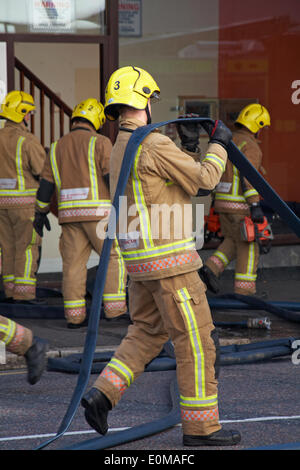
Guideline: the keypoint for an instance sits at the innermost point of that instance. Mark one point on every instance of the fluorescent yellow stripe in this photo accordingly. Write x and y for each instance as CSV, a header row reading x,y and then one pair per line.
x,y
18,193
195,342
211,157
140,204
92,169
123,369
187,244
41,204
8,331
121,269
28,255
74,303
19,164
23,280
54,166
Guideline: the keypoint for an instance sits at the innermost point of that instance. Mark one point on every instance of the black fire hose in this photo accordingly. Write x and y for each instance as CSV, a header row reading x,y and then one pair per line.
x,y
135,140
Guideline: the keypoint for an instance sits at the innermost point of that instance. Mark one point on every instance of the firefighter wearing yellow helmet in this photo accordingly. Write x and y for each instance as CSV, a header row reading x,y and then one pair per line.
x,y
22,160
166,296
20,341
77,167
234,199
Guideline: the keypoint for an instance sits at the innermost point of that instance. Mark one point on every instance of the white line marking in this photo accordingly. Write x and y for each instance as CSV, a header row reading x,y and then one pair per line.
x,y
73,433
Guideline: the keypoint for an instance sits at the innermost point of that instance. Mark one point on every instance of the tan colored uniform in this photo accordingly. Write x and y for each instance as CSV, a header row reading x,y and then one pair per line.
x,y
166,296
22,160
232,200
17,338
76,165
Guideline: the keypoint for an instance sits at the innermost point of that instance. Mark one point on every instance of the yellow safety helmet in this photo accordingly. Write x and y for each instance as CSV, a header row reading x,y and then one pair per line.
x,y
16,105
254,116
91,110
130,86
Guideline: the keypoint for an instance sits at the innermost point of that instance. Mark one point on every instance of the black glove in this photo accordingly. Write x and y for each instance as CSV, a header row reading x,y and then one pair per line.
x,y
41,220
218,133
189,133
257,215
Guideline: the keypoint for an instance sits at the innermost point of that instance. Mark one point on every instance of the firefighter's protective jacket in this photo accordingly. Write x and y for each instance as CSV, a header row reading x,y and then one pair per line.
x,y
22,161
234,194
156,240
76,165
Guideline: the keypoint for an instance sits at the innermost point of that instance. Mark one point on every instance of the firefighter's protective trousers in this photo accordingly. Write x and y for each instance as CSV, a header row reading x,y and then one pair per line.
x,y
17,338
77,241
232,248
175,308
20,252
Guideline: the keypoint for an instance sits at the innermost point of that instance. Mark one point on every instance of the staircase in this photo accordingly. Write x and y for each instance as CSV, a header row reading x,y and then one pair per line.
x,y
52,117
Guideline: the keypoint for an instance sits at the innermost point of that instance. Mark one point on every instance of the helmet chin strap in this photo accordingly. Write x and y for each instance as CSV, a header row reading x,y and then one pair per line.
x,y
149,120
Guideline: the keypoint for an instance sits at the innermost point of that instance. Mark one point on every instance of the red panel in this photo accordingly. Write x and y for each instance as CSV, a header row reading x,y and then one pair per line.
x,y
259,58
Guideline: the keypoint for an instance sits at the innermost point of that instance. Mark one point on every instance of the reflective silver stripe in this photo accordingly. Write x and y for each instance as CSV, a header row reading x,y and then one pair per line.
x,y
106,203
141,204
188,244
195,343
54,166
197,402
7,331
92,168
19,164
123,369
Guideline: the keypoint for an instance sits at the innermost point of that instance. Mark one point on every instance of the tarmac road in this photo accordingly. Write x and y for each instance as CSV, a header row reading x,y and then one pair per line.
x,y
261,400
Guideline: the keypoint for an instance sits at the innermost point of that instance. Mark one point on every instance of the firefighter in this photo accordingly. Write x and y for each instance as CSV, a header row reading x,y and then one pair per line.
x,y
22,161
77,167
19,340
235,198
166,295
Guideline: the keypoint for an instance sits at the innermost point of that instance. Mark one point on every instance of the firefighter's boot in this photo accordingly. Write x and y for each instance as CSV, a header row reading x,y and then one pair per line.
x,y
35,359
218,438
96,407
210,279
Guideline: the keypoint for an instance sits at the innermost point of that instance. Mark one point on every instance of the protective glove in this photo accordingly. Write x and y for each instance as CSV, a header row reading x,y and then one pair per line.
x,y
218,133
257,215
189,133
41,220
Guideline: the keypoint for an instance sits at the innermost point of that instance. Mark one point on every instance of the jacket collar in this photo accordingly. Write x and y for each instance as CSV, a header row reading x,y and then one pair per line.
x,y
17,125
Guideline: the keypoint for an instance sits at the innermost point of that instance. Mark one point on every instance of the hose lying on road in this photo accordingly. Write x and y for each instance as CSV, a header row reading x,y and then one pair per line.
x,y
229,355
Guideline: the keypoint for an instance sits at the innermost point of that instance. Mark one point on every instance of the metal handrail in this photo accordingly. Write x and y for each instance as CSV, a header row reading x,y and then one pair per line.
x,y
54,101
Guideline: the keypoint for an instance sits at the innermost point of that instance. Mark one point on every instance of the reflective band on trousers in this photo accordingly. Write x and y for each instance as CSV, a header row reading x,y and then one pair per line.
x,y
249,275
195,341
195,402
114,379
197,415
122,369
7,331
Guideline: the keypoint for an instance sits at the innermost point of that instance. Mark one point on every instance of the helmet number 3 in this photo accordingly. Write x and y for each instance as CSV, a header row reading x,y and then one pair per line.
x,y
117,85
